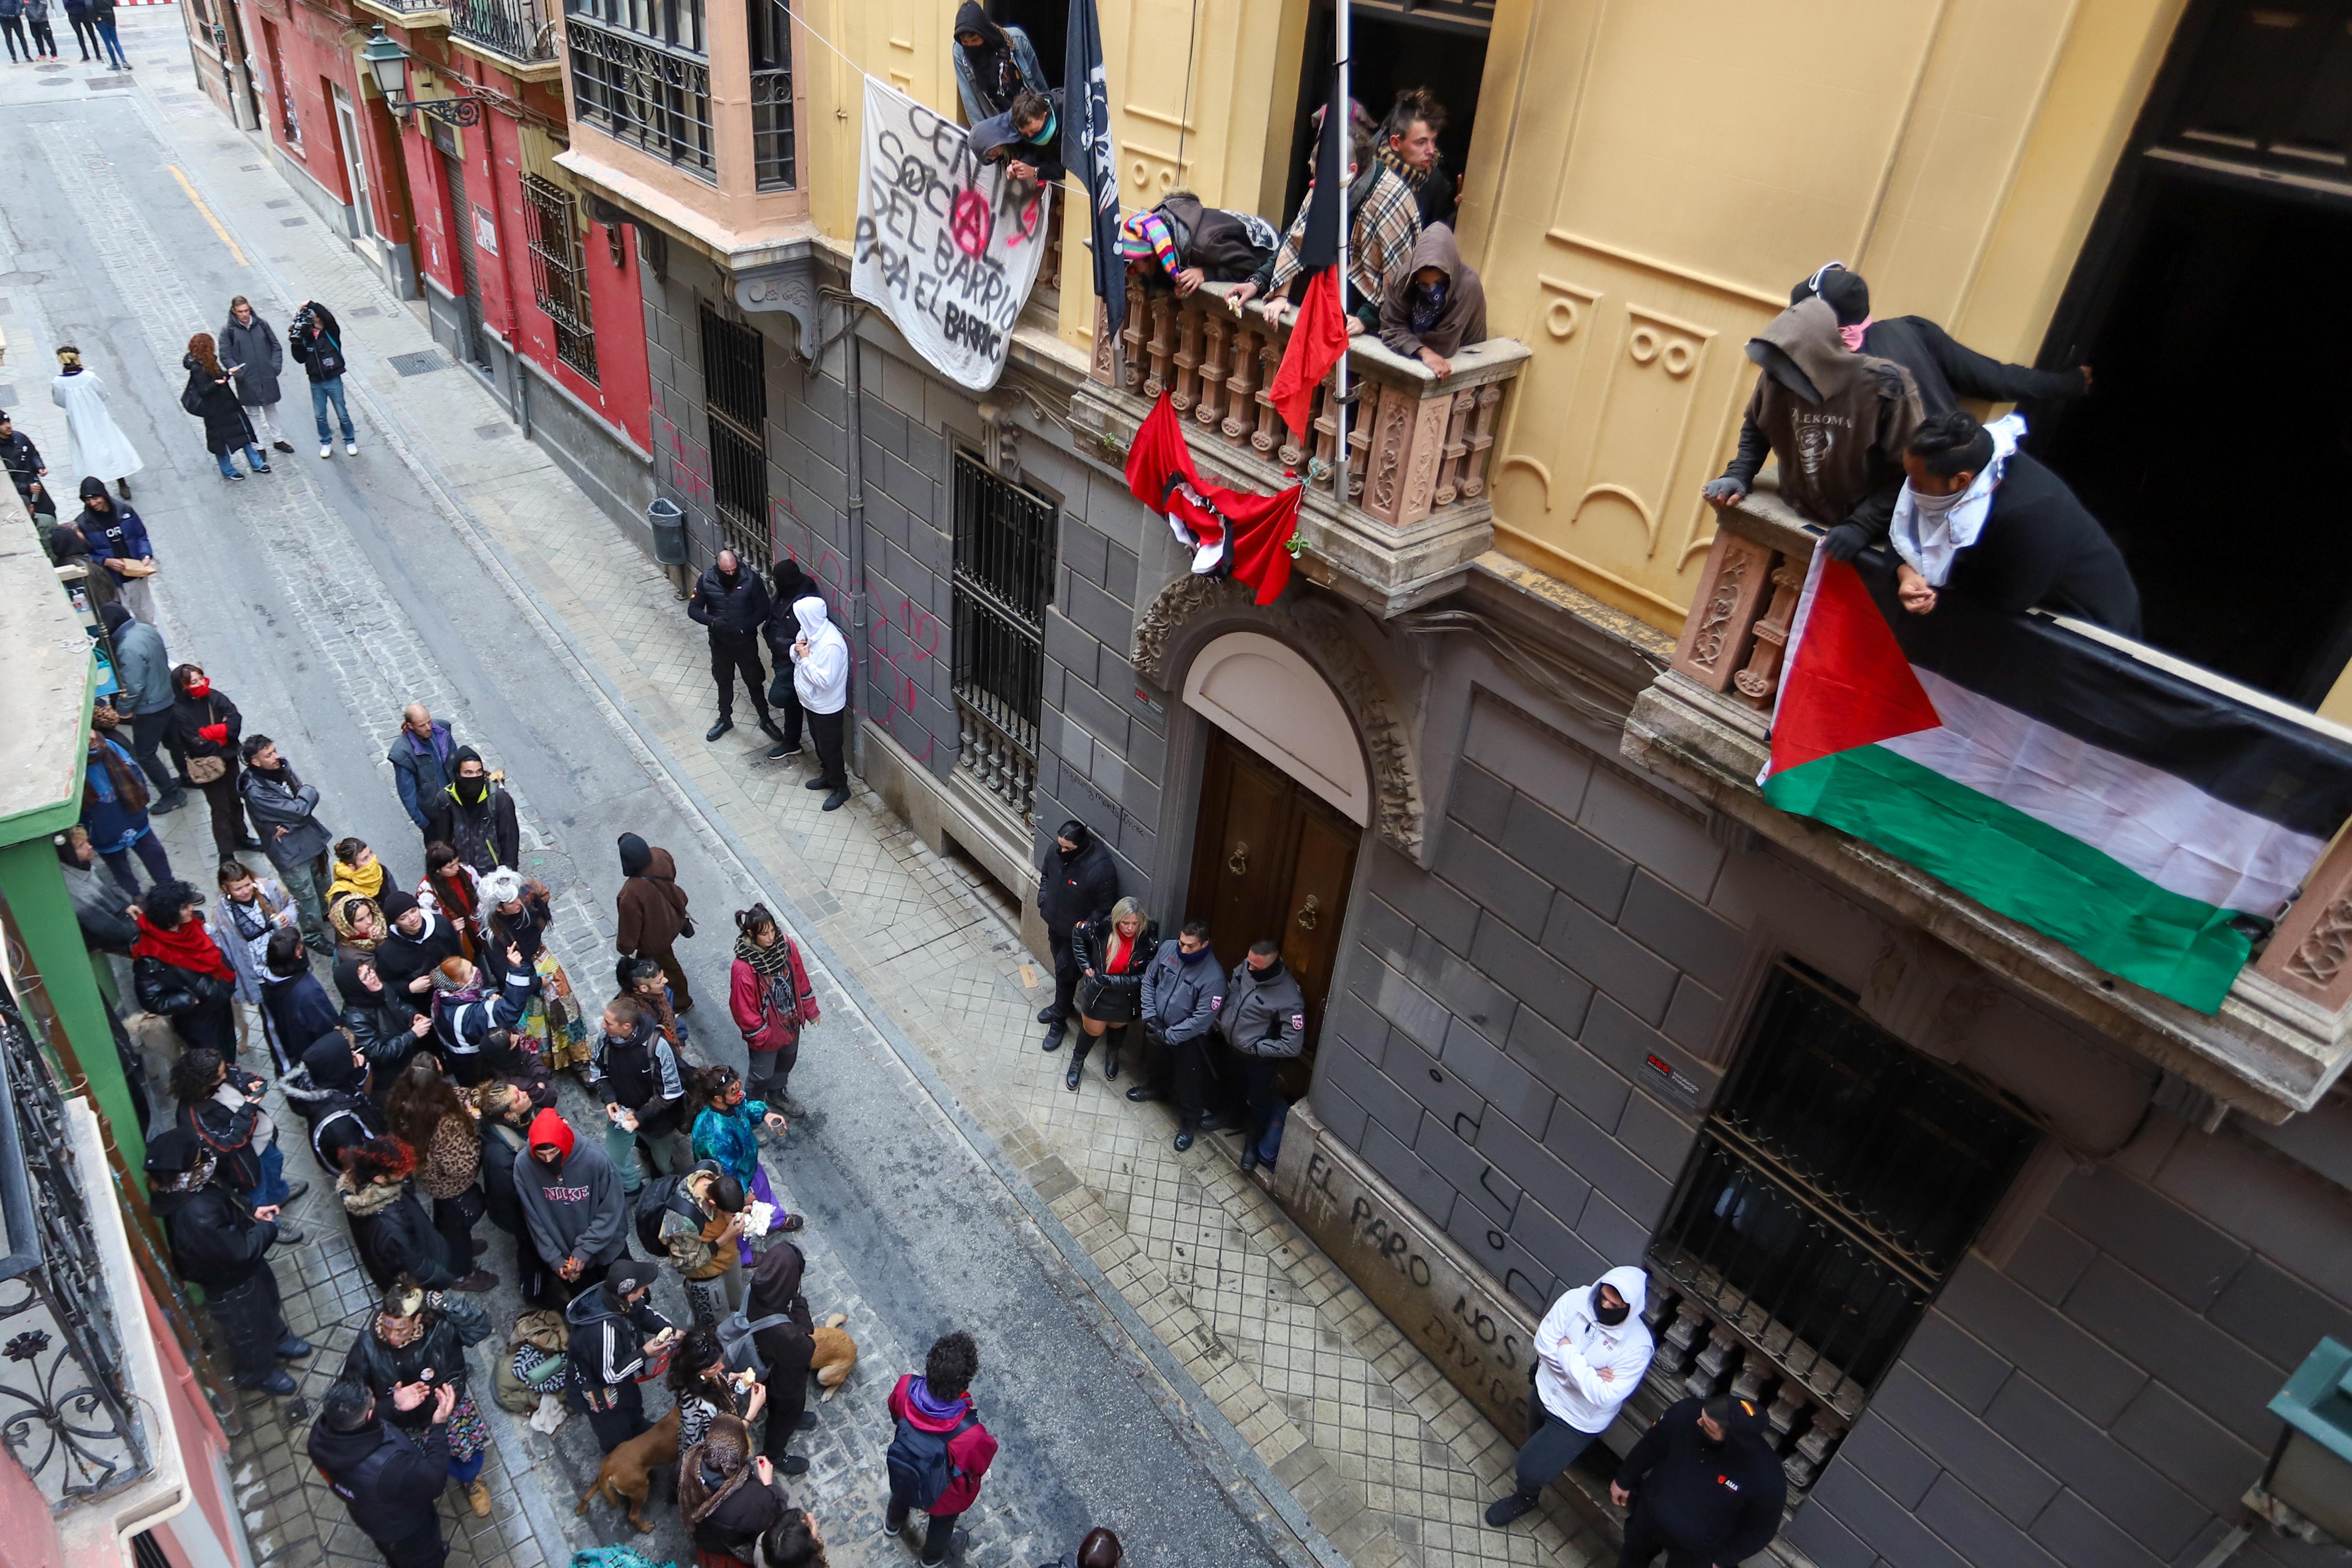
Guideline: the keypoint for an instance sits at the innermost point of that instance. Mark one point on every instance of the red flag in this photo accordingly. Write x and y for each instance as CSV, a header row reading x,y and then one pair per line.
x,y
1318,339
1229,531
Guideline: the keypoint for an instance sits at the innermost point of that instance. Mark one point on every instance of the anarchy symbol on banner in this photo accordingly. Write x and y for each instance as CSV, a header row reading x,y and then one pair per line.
x,y
971,223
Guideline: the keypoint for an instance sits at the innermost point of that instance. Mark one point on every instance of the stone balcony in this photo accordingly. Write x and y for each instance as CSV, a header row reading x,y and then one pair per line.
x,y
2283,1035
1401,525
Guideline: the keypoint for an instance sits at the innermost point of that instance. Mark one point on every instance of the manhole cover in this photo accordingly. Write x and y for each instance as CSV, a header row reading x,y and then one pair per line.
x,y
248,168
99,83
293,222
490,432
364,310
424,361
288,202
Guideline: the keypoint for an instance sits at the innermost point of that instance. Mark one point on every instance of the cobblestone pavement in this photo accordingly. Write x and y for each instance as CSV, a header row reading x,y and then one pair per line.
x,y
1267,1359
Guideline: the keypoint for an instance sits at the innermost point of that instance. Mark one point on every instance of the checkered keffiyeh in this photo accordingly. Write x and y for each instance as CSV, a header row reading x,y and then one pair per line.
x,y
1380,238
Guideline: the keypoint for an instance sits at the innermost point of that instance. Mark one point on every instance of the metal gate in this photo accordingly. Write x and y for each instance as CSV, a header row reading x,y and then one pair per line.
x,y
461,240
1004,550
735,398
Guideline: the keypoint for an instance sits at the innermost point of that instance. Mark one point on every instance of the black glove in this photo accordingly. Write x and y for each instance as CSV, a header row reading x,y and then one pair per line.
x,y
1724,491
1846,540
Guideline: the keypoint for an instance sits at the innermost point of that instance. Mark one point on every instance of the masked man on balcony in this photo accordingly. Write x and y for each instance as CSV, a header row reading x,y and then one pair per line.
x,y
1985,521
1591,1350
1942,370
1839,421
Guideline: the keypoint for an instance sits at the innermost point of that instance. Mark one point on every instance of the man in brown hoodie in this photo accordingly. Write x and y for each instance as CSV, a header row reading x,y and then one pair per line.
x,y
652,907
1839,421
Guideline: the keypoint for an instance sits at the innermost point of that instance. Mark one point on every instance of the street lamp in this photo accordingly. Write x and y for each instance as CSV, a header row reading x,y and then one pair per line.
x,y
387,62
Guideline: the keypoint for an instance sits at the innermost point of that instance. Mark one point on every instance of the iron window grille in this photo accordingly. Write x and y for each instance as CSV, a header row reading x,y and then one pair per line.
x,y
735,398
559,271
645,93
676,24
1004,556
1835,1186
770,32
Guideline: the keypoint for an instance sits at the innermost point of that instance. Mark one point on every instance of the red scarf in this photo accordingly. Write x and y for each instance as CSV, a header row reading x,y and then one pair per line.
x,y
187,945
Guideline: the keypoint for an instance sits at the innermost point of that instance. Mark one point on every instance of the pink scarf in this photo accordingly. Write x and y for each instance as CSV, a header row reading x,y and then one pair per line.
x,y
1852,335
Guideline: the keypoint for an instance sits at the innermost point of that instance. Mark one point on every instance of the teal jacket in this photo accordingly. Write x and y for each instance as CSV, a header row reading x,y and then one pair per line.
x,y
731,1138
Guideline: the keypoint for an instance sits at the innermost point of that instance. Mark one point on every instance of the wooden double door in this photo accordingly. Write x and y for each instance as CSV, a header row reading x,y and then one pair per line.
x,y
1271,859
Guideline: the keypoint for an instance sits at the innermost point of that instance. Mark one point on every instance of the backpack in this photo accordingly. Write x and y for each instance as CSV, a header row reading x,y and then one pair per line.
x,y
656,1200
735,1341
920,1470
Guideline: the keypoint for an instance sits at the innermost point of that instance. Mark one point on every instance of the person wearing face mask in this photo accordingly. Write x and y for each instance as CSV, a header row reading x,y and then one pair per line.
x,y
207,727
414,947
1026,139
821,679
1264,1022
731,602
1708,1485
1838,421
475,816
994,63
1944,371
1182,992
1984,522
1076,885
1590,1351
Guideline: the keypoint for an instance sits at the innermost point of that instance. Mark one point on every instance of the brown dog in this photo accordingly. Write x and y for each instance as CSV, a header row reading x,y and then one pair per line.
x,y
835,1355
627,1470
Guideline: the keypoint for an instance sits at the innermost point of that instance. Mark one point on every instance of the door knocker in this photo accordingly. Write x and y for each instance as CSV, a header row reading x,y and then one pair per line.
x,y
1238,863
1310,914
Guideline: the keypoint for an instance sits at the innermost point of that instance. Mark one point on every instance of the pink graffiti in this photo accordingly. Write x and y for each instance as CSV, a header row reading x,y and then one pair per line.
x,y
689,462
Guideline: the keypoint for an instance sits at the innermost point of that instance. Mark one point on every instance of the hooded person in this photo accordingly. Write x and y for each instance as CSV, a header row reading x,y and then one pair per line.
x,y
935,1406
382,1027
475,816
1076,885
67,548
389,1480
329,1090
1181,244
222,1246
1839,421
1437,308
1942,370
1026,136
652,908
786,1348
1710,1486
994,63
571,1202
613,1331
820,677
1590,1351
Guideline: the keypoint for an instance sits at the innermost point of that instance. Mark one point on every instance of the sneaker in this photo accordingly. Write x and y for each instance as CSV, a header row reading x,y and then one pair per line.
x,y
287,1236
261,467
478,1496
808,1421
293,1191
782,749
350,448
476,1283
790,1223
326,448
892,1526
1504,1509
836,801
275,1381
172,800
1249,1159
793,1465
293,1348
283,445
232,476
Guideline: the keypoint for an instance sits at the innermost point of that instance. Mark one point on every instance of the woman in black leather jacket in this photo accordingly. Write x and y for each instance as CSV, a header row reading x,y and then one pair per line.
x,y
1112,953
383,1029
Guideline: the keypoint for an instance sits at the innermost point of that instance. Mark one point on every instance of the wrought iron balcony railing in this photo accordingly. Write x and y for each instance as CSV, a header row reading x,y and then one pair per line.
x,y
519,29
67,1415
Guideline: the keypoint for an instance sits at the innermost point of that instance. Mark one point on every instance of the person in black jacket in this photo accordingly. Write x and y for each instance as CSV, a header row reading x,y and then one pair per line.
x,y
382,1027
1112,954
25,468
631,1070
785,1349
329,1090
1076,885
727,1495
781,628
475,816
1984,522
395,1236
411,950
316,340
733,602
294,1007
1708,1485
388,1480
507,1108
207,727
417,1338
220,1107
221,1246
1944,371
209,396
178,970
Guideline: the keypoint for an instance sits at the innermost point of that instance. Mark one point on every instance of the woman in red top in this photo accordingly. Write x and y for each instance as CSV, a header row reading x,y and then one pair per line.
x,y
768,991
453,890
1112,954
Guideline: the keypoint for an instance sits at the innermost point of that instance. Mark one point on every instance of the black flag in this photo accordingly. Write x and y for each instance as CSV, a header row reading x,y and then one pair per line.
x,y
1085,104
1325,205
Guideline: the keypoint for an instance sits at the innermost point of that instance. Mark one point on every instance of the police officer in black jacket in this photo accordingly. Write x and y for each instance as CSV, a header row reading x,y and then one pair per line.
x,y
1077,886
220,1244
1706,1487
388,1479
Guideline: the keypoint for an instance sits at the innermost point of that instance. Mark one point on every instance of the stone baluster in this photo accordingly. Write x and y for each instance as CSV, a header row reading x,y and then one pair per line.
x,y
1457,447
1240,403
1131,363
1723,612
1269,418
1162,346
1325,423
1749,1384
1482,440
1214,366
1187,389
1788,1408
1762,676
1359,452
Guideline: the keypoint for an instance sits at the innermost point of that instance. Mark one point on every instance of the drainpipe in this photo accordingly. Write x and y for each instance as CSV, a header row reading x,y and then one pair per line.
x,y
854,471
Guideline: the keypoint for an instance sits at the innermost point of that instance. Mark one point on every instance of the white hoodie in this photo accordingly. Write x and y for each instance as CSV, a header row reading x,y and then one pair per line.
x,y
821,675
1587,1368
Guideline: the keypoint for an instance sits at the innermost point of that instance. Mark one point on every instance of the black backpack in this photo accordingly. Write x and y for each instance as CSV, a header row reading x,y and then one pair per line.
x,y
659,1197
920,1470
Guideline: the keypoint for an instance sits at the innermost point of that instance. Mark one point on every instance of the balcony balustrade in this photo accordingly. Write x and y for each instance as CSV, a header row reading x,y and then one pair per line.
x,y
520,30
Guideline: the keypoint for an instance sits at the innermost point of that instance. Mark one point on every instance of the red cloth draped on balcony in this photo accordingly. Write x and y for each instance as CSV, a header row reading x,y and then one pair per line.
x,y
1229,533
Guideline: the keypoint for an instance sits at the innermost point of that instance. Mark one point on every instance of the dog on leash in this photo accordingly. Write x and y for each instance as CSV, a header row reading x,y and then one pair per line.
x,y
835,1355
627,1471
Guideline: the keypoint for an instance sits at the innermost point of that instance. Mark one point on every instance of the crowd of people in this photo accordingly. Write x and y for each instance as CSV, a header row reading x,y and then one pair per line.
x,y
25,25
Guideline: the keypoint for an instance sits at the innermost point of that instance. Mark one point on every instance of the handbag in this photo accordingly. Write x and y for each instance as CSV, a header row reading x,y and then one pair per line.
x,y
686,926
206,770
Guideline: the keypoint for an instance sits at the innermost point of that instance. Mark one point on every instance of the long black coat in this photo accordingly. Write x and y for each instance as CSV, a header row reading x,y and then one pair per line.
x,y
226,429
199,1005
215,1241
398,1238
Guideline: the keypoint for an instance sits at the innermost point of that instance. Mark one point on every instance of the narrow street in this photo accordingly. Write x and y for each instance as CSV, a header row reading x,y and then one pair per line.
x,y
948,1179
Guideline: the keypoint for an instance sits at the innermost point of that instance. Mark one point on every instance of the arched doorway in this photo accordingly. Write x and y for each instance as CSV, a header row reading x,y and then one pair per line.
x,y
1285,794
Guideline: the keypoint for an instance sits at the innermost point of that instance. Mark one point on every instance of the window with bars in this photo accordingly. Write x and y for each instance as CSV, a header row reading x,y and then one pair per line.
x,y
679,24
735,399
1004,552
639,89
1838,1181
559,271
770,36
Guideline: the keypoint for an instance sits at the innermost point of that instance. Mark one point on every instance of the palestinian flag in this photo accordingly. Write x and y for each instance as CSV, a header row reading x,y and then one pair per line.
x,y
2150,821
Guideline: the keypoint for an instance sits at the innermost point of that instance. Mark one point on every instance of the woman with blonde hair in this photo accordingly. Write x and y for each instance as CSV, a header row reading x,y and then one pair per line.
x,y
209,396
1112,954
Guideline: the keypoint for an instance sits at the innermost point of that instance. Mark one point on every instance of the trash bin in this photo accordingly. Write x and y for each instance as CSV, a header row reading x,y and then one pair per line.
x,y
669,532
